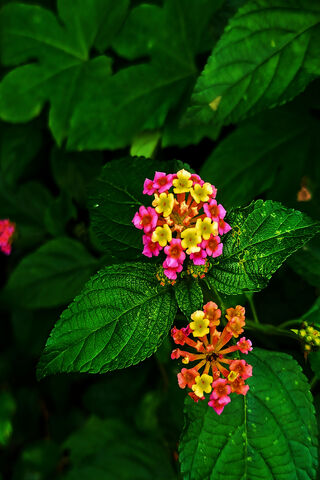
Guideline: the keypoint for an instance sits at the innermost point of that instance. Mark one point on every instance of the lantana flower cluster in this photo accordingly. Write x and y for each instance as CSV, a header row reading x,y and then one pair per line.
x,y
221,375
185,221
7,229
309,336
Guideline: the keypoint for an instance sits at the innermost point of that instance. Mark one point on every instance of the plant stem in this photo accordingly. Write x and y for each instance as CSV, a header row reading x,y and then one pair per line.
x,y
313,382
269,329
289,323
253,308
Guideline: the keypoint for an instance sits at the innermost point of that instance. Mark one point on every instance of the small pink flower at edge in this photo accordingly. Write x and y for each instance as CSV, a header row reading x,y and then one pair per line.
x,y
214,211
7,229
148,188
162,182
223,227
245,346
145,219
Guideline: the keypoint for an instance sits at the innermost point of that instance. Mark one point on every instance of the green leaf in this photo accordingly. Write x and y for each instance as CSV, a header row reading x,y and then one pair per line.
x,y
260,61
58,214
246,163
306,262
116,199
145,144
7,409
104,449
50,276
73,172
60,46
188,295
271,433
139,97
18,147
263,236
119,319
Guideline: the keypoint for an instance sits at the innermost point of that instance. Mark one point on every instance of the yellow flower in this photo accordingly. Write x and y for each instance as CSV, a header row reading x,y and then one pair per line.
x,y
233,376
182,183
199,326
191,238
164,203
205,228
162,235
201,194
203,384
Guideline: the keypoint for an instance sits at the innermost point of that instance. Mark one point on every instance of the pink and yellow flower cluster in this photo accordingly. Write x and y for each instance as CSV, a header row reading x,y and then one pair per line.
x,y
221,375
7,229
185,221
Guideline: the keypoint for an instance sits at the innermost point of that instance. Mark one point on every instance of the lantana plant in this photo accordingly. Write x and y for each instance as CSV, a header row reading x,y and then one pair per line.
x,y
185,221
210,355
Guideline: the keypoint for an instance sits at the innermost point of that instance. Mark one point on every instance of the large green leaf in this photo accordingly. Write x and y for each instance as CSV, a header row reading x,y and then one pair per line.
x,y
73,172
104,449
247,162
140,97
263,236
261,60
50,276
307,262
188,295
18,147
119,319
269,434
62,71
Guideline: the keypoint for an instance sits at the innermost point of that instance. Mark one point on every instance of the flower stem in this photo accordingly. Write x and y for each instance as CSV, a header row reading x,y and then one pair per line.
x,y
313,382
289,323
269,329
252,306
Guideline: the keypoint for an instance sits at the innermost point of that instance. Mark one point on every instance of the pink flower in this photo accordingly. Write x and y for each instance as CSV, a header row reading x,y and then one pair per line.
x,y
214,211
186,377
245,346
180,336
223,227
171,272
196,179
146,219
214,191
241,367
238,386
150,248
213,246
199,258
221,390
218,404
175,354
148,188
162,182
175,253
7,229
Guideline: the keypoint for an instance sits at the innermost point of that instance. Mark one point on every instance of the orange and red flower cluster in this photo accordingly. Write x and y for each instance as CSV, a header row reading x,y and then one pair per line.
x,y
187,221
221,375
7,229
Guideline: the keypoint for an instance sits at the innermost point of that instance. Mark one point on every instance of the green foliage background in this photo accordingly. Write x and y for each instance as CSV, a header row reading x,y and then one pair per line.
x,y
95,95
